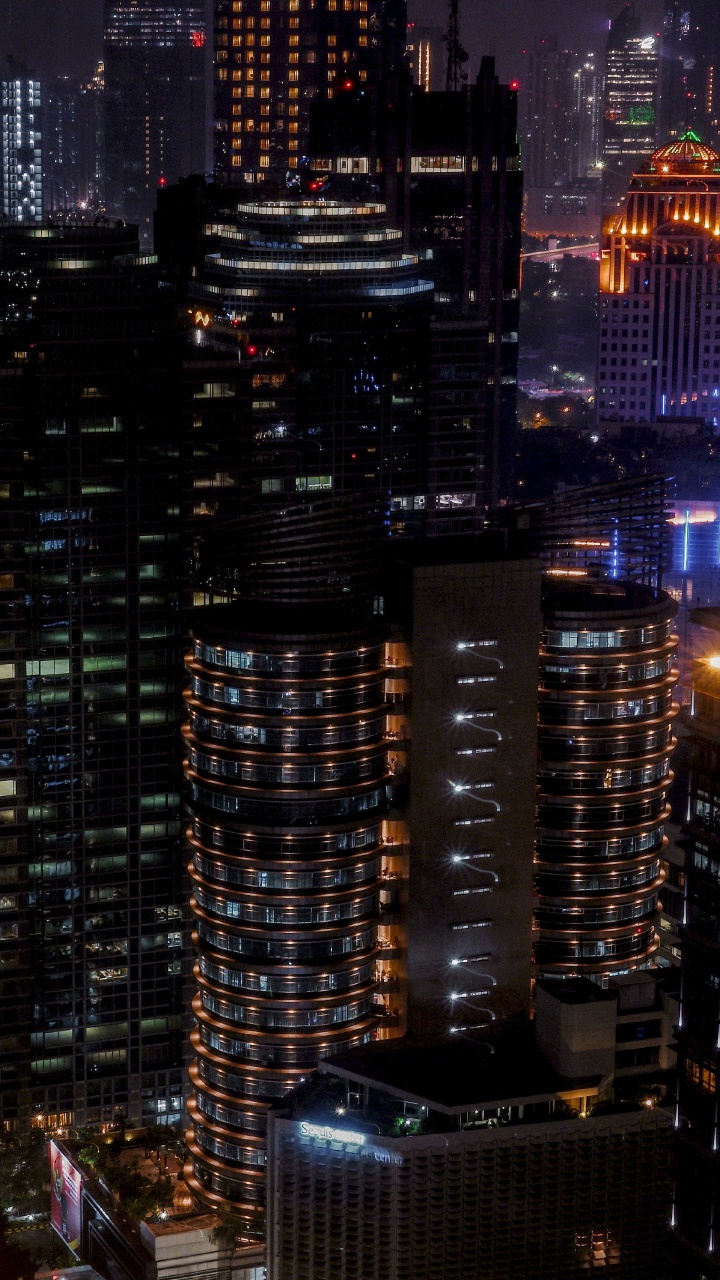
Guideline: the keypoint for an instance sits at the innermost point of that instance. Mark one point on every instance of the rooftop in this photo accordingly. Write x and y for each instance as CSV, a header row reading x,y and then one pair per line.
x,y
685,155
458,1075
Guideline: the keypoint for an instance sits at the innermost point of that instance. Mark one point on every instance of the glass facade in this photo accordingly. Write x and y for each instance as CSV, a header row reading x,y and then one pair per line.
x,y
289,786
91,918
697,1200
605,737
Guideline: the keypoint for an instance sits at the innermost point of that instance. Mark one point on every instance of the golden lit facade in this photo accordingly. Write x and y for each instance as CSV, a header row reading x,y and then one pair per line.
x,y
659,332
607,674
274,57
293,763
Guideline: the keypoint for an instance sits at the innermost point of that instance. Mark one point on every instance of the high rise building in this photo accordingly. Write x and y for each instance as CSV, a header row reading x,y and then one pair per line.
x,y
271,64
659,331
155,128
690,68
21,157
631,103
458,197
550,104
91,928
329,317
587,118
696,1186
425,55
74,144
605,740
472,681
316,929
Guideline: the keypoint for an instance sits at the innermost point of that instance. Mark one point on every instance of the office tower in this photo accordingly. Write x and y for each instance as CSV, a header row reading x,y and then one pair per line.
x,y
631,102
73,137
487,1159
473,675
587,118
459,198
660,292
92,907
21,140
329,317
696,1197
562,141
154,57
605,740
272,62
690,64
425,55
549,110
306,823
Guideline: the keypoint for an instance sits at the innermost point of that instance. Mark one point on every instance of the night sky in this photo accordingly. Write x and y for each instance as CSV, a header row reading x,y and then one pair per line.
x,y
64,37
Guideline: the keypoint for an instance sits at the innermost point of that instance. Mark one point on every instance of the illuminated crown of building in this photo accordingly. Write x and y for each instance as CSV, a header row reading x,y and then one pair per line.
x,y
686,155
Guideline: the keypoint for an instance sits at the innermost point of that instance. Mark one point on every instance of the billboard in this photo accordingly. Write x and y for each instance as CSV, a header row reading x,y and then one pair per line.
x,y
65,1193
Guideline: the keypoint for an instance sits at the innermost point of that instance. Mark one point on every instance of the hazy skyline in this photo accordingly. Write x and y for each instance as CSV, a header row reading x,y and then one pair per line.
x,y
64,37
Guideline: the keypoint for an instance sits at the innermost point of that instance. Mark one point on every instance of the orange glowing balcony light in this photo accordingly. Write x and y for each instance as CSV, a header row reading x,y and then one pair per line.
x,y
714,661
567,573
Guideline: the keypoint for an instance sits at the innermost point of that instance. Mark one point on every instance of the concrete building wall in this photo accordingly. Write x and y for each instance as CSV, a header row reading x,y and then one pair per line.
x,y
476,631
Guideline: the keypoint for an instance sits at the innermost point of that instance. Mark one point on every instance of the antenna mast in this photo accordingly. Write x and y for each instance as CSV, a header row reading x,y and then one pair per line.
x,y
456,55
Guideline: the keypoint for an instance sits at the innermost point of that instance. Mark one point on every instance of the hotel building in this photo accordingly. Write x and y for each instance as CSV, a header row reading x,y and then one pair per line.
x,y
659,304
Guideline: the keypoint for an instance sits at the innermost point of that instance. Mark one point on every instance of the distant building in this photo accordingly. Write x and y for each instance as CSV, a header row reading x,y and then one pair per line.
x,y
631,103
74,144
549,100
659,312
426,53
155,130
270,67
21,157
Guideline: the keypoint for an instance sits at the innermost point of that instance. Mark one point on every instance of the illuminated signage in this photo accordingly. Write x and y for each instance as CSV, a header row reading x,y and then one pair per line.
x,y
65,1193
327,1134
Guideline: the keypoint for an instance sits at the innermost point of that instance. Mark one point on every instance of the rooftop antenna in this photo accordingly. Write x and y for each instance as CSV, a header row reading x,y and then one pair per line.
x,y
456,54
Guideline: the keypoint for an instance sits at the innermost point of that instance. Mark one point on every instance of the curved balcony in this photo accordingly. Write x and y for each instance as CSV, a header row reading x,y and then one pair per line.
x,y
605,739
289,782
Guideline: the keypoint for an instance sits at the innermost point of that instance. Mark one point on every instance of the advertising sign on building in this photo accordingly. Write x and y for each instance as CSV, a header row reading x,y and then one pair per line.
x,y
65,1191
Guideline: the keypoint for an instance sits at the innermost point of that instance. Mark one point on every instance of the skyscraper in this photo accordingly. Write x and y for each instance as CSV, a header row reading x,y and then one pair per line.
x,y
696,1195
272,63
690,68
605,739
329,318
154,55
631,103
74,144
457,194
659,332
313,848
92,907
21,142
549,101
